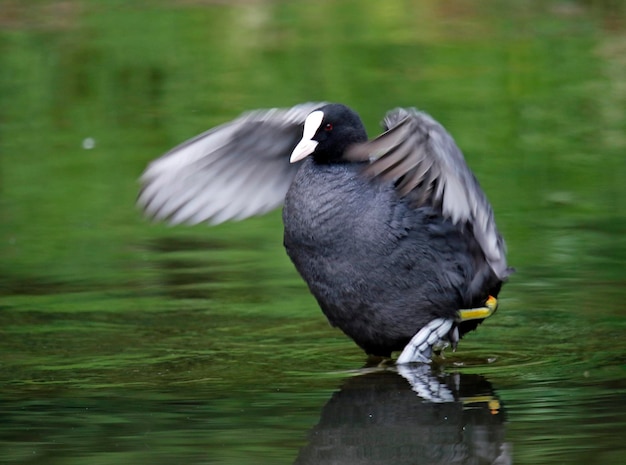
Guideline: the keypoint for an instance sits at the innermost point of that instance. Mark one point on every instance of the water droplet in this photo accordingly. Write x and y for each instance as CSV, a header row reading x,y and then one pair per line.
x,y
89,143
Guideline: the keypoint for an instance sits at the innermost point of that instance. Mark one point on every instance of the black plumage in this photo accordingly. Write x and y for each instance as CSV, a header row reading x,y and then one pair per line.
x,y
389,234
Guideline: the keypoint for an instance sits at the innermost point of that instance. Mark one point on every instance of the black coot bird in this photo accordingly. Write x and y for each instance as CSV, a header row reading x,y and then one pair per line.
x,y
394,236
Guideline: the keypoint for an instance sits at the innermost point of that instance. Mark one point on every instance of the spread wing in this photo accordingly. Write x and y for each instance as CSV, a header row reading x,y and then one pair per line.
x,y
231,172
429,169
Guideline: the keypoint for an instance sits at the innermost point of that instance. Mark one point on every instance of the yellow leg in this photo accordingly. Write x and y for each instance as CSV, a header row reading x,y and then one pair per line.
x,y
479,313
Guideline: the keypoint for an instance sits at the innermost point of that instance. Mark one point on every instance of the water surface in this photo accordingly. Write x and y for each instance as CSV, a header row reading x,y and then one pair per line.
x,y
128,342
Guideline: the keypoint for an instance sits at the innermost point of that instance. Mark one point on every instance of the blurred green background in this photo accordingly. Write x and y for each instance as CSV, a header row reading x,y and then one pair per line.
x,y
98,304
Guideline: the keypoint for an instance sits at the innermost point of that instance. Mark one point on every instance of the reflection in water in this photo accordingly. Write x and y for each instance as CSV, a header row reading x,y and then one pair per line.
x,y
414,416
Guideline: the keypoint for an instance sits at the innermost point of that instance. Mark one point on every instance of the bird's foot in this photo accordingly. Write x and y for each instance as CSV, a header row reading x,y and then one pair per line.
x,y
441,331
377,361
419,349
440,346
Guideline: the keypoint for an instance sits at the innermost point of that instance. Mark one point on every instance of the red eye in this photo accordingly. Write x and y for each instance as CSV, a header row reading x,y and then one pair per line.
x,y
328,127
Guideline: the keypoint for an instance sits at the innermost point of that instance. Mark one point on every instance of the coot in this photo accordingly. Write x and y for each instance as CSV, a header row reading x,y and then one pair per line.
x,y
394,236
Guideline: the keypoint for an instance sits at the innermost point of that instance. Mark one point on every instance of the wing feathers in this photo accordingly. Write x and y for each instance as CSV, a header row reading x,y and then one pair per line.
x,y
231,172
241,169
419,155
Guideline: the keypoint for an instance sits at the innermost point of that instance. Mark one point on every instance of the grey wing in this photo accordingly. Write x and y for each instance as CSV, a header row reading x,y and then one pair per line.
x,y
231,172
428,168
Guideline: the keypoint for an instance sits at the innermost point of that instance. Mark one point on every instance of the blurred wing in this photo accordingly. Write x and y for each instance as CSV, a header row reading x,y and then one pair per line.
x,y
419,155
231,172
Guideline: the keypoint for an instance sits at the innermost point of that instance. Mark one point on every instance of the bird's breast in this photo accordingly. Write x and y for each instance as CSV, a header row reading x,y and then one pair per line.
x,y
329,207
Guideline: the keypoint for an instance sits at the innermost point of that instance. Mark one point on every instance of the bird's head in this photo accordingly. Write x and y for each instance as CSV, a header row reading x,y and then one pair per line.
x,y
328,132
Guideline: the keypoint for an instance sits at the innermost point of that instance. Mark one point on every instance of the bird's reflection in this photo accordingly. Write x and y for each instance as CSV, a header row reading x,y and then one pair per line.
x,y
411,415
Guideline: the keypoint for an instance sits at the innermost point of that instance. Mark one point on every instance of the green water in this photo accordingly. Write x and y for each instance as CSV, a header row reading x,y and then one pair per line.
x,y
128,342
